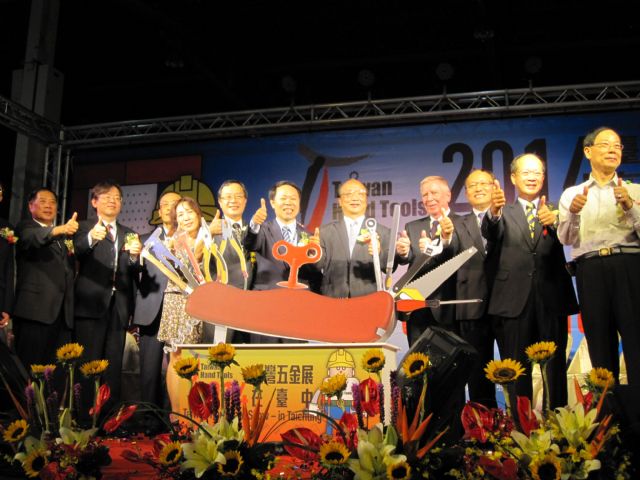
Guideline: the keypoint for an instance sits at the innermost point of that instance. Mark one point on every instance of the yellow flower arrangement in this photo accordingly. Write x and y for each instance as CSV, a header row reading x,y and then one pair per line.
x,y
69,353
547,467
599,378
171,454
94,368
373,360
38,370
186,367
16,431
504,371
541,352
333,454
399,471
415,364
34,463
222,355
334,386
254,375
233,464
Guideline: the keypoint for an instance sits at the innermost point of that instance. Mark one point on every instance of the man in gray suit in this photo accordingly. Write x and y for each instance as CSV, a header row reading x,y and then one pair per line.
x,y
347,262
148,310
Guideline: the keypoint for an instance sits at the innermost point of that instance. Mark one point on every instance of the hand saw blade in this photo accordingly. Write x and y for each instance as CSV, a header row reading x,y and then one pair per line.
x,y
430,281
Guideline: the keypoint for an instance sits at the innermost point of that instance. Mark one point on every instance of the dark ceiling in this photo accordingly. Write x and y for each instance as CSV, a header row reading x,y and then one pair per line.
x,y
127,59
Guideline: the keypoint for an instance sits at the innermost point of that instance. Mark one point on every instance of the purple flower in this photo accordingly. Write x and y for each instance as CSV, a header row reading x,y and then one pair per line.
x,y
77,390
236,407
30,393
215,401
357,404
381,400
227,405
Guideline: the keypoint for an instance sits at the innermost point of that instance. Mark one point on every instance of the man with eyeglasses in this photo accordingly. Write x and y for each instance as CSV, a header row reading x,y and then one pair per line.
x,y
347,256
431,234
532,292
232,199
107,254
474,280
600,220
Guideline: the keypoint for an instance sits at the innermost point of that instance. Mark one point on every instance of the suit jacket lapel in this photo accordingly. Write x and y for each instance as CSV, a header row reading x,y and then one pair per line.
x,y
521,220
471,223
343,237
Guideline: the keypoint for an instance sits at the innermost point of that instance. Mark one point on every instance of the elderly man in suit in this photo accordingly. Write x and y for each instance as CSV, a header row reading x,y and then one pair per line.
x,y
107,252
43,310
347,262
474,280
431,233
232,198
532,292
262,234
148,309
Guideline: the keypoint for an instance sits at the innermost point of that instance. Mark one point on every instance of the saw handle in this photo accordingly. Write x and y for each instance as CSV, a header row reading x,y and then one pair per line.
x,y
295,256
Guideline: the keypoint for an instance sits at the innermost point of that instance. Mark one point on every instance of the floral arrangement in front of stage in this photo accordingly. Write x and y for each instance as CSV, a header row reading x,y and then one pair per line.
x,y
47,442
573,442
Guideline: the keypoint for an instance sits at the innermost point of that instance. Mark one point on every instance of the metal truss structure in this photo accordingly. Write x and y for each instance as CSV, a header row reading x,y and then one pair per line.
x,y
427,109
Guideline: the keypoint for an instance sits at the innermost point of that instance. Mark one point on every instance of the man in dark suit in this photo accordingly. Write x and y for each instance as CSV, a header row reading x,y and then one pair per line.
x,y
232,199
432,233
107,252
43,310
474,280
148,310
347,262
532,293
284,197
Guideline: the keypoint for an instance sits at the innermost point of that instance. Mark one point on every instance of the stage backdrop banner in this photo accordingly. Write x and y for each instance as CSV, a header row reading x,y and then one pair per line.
x,y
295,373
389,161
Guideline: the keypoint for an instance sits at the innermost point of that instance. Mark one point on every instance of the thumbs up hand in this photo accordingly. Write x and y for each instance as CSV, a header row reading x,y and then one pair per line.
x,y
99,231
546,216
315,238
579,201
424,241
69,228
403,244
498,199
446,227
261,214
215,227
622,195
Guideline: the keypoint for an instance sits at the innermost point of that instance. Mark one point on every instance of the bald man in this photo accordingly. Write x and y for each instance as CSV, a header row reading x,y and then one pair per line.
x,y
347,257
532,292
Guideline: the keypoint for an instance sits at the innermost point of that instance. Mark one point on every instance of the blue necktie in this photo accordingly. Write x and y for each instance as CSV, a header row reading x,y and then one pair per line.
x,y
286,234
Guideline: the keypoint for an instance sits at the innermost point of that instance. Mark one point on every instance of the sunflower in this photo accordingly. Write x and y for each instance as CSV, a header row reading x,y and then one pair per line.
x,y
333,454
546,468
38,370
333,386
415,364
16,431
94,368
373,360
171,454
399,470
186,367
503,371
599,378
254,374
69,353
222,355
34,463
233,465
541,352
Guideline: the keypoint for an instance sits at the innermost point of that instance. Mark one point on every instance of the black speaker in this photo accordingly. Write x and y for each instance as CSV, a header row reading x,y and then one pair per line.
x,y
451,358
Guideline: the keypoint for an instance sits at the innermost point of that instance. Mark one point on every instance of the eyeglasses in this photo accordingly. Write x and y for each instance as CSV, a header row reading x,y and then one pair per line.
x,y
609,146
474,185
354,193
530,173
228,198
110,198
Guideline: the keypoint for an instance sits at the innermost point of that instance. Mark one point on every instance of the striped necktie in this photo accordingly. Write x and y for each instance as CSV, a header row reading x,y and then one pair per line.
x,y
531,218
286,234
